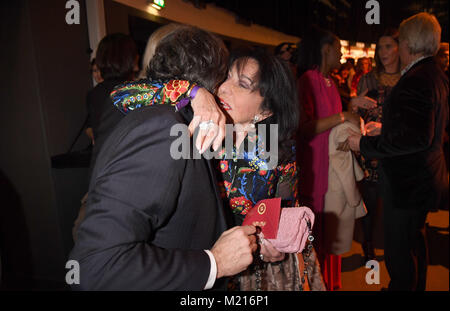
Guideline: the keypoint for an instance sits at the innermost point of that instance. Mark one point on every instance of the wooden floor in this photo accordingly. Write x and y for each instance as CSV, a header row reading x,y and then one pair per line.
x,y
354,272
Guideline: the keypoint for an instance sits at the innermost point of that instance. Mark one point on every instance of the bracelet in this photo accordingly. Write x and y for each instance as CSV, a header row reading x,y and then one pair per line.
x,y
193,91
342,117
190,96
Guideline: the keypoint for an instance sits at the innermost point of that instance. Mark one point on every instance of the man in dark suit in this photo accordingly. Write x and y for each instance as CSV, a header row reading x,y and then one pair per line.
x,y
154,222
410,148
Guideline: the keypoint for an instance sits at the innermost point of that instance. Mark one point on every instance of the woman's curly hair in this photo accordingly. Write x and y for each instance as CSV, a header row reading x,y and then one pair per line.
x,y
192,54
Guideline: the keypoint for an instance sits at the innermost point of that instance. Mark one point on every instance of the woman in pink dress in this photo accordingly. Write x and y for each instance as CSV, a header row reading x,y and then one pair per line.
x,y
321,110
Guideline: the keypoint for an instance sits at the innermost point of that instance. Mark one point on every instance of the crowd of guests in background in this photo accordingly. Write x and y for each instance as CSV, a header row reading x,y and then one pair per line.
x,y
323,107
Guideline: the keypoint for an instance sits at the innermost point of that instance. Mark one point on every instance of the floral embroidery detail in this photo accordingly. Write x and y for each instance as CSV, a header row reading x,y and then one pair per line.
x,y
241,204
258,164
228,188
223,166
288,169
174,89
247,178
132,95
221,153
262,172
244,170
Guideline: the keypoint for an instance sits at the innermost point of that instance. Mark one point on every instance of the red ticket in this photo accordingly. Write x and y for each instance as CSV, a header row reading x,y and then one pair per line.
x,y
266,215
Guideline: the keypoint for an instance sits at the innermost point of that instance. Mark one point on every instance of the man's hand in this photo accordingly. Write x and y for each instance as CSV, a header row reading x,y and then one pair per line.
x,y
206,109
353,139
233,250
373,128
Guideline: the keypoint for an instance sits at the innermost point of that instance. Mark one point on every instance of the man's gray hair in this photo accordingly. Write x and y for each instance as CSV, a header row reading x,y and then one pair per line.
x,y
422,32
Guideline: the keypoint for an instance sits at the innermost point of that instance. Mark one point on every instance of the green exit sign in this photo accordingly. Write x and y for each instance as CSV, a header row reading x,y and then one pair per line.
x,y
160,3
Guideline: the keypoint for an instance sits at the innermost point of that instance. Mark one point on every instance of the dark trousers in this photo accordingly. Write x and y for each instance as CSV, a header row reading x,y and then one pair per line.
x,y
405,249
372,200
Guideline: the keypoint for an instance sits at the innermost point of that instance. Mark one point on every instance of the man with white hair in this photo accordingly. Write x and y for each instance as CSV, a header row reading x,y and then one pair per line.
x,y
413,174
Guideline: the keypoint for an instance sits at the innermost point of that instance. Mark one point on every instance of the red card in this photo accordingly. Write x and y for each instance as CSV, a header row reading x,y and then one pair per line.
x,y
266,215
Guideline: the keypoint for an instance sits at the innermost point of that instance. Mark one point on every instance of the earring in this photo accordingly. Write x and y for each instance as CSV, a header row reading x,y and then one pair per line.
x,y
254,121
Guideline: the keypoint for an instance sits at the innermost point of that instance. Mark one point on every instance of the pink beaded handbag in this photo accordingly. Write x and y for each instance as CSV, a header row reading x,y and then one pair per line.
x,y
293,230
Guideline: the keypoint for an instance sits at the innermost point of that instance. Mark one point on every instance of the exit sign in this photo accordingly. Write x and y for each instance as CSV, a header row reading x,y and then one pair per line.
x,y
160,3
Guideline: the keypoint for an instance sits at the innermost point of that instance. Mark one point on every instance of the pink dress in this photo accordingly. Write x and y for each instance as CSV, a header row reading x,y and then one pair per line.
x,y
319,98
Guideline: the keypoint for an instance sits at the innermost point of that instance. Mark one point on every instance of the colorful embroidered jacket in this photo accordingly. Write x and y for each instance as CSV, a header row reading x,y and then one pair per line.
x,y
244,179
132,95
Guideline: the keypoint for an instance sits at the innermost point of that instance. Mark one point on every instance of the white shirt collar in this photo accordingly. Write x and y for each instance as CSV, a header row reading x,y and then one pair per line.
x,y
408,67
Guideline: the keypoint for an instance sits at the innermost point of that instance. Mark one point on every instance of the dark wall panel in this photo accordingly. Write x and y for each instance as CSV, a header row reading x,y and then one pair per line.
x,y
45,78
63,65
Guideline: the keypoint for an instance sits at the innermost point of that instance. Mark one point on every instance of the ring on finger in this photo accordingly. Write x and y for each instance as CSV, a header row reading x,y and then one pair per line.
x,y
205,125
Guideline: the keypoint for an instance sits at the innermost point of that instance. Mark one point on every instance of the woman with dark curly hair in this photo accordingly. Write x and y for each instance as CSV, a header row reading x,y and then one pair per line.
x,y
260,90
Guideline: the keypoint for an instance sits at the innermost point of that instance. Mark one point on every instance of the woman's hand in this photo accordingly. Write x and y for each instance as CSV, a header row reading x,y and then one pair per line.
x,y
362,101
353,139
206,109
373,128
269,253
352,118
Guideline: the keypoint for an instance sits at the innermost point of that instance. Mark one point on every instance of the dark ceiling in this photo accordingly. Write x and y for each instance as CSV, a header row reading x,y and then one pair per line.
x,y
346,18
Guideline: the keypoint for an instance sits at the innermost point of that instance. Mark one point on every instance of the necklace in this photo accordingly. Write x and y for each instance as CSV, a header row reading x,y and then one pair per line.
x,y
390,80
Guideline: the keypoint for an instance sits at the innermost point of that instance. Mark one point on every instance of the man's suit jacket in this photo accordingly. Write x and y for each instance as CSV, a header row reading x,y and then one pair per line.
x,y
410,147
148,217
